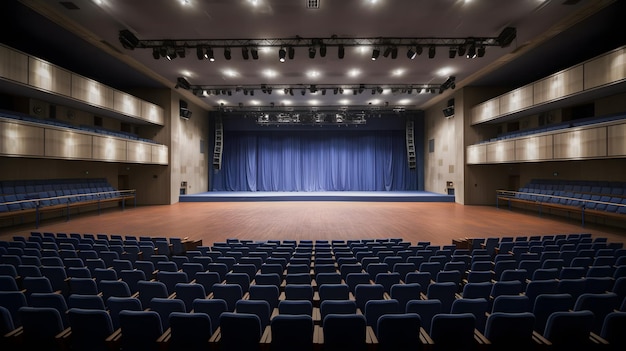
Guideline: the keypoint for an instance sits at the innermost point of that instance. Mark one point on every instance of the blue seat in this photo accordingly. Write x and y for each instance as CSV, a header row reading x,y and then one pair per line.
x,y
445,325
334,307
376,308
291,332
399,332
213,308
478,307
344,332
444,292
231,293
116,304
89,329
291,307
259,308
613,330
188,292
188,331
546,304
599,304
510,331
426,309
139,330
40,327
239,331
569,330
164,307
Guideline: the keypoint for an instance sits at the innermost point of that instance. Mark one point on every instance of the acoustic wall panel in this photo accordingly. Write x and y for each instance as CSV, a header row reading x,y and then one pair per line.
x,y
126,104
501,151
92,92
486,111
606,69
516,100
476,154
159,154
68,144
537,148
109,149
558,85
138,152
21,140
152,113
13,65
617,140
583,143
49,77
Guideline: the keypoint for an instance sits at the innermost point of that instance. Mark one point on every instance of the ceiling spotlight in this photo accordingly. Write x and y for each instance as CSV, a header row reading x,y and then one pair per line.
x,y
323,91
375,54
303,91
312,52
227,53
471,52
452,52
244,53
286,91
322,50
181,82
379,90
387,51
156,54
373,91
291,91
340,51
361,88
171,53
335,91
394,52
461,50
209,54
252,92
432,51
340,90
255,53
281,54
200,53
180,51
313,89
291,52
480,52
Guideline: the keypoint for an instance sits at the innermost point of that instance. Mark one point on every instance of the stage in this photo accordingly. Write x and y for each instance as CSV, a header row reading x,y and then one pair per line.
x,y
366,196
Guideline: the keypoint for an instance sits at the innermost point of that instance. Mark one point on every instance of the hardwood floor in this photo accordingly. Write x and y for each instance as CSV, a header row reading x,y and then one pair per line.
x,y
438,223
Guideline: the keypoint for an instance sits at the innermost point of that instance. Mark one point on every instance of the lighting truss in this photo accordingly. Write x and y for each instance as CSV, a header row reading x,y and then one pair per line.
x,y
341,117
504,39
313,89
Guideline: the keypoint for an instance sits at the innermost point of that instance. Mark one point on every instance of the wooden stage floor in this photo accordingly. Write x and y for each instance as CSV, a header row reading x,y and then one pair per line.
x,y
438,223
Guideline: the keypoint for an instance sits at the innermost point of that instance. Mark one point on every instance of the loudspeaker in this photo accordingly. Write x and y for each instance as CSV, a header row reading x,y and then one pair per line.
x,y
184,111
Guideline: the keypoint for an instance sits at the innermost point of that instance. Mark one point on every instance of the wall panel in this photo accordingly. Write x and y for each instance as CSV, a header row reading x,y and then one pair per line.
x,y
126,104
152,113
13,65
138,152
516,100
606,69
67,144
109,149
21,140
486,111
46,76
501,151
476,154
537,148
582,143
558,85
92,92
617,140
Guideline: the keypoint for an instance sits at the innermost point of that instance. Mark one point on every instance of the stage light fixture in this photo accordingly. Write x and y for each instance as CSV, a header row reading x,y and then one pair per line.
x,y
335,91
340,52
128,39
291,52
394,53
480,52
312,51
322,50
171,53
373,91
227,53
281,54
471,52
341,91
155,53
507,36
286,91
255,53
411,53
387,51
361,88
209,54
432,51
323,91
200,53
180,52
375,54
291,91
379,90
452,52
181,82
303,91
251,92
461,50
245,53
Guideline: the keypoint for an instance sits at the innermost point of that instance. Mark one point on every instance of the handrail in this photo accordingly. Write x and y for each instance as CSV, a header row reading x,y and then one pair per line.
x,y
118,195
511,195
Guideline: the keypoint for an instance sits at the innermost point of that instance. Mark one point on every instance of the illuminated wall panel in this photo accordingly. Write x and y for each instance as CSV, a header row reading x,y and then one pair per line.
x,y
67,144
21,140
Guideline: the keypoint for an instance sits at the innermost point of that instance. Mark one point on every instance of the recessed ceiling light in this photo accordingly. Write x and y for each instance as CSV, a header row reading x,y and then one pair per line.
x,y
230,73
313,74
354,72
255,102
347,91
314,102
344,101
375,101
398,72
286,102
253,2
444,71
386,91
186,73
270,73
222,102
404,101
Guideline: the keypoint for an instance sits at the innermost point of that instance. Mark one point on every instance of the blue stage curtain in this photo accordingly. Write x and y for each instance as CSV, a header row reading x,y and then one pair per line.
x,y
350,160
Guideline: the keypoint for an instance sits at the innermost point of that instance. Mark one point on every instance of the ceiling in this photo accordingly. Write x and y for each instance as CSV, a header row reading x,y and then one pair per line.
x,y
83,36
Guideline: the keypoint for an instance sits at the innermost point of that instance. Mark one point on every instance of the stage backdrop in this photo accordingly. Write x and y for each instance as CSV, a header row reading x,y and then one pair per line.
x,y
323,160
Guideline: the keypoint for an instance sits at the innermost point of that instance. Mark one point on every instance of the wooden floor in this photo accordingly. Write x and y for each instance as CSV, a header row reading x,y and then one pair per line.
x,y
438,223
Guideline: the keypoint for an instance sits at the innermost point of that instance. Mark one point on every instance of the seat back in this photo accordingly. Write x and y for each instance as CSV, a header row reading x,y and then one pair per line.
x,y
164,307
140,330
213,308
90,328
40,326
189,331
546,304
426,309
344,332
398,332
510,330
569,329
445,325
337,307
292,332
239,331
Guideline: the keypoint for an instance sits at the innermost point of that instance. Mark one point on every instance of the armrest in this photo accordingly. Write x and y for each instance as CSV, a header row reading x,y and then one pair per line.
x,y
318,336
480,338
423,296
386,296
539,340
113,341
216,337
317,316
370,338
266,339
597,339
425,339
165,338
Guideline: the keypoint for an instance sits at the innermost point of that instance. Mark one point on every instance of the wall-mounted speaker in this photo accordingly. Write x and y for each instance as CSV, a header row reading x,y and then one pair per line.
x,y
184,111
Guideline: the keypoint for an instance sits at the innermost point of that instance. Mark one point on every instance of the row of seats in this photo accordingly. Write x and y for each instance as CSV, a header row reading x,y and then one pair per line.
x,y
219,289
558,126
59,123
